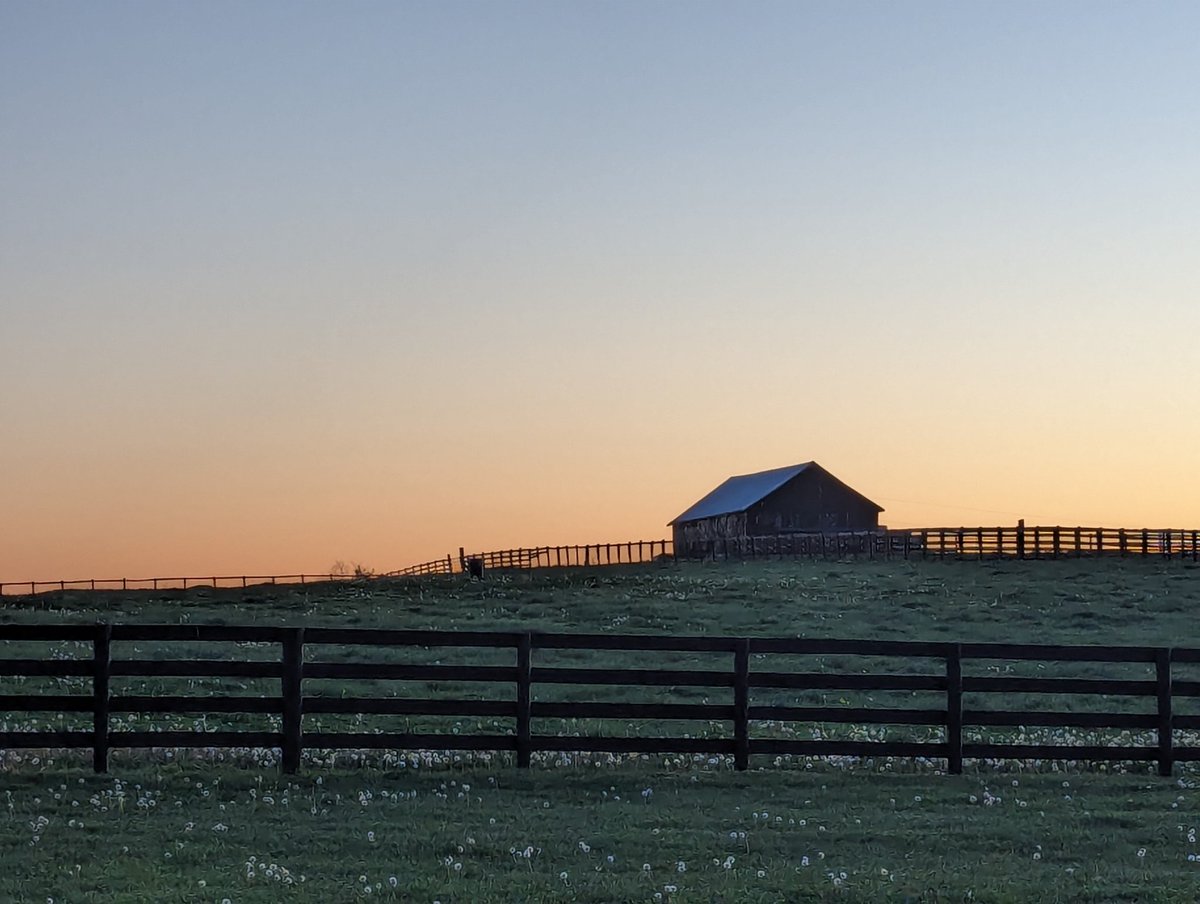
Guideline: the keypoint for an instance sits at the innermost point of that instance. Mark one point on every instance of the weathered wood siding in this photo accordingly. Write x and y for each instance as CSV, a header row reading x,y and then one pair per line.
x,y
693,536
812,501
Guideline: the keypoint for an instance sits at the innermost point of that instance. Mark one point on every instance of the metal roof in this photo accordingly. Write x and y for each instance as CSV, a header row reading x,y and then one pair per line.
x,y
739,493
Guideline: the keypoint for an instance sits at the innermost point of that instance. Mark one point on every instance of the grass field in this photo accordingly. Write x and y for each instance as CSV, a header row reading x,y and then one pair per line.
x,y
203,833
458,828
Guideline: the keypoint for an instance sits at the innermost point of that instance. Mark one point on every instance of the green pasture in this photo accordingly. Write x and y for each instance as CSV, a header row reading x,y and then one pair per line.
x,y
225,825
1133,601
1137,601
205,833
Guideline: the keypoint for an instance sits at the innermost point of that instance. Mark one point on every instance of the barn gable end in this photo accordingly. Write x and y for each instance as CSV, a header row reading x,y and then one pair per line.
x,y
797,499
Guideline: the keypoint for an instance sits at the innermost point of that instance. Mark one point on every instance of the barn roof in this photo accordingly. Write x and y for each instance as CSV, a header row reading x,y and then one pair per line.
x,y
739,493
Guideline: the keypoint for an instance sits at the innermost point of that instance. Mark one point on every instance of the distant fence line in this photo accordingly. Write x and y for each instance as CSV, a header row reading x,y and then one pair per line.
x,y
942,673
1019,542
174,583
629,552
1016,542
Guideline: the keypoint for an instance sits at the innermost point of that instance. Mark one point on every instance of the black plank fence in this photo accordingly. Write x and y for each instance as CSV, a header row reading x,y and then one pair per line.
x,y
962,729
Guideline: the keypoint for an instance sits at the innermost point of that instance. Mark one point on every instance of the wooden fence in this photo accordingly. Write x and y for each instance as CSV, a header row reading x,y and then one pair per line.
x,y
437,566
630,552
1019,542
176,583
1016,542
942,674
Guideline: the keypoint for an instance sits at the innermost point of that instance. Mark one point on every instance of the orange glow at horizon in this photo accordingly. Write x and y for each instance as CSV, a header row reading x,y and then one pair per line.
x,y
278,520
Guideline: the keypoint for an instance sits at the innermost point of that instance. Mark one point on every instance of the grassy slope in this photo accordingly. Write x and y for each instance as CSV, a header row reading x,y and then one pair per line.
x,y
1078,841
1086,601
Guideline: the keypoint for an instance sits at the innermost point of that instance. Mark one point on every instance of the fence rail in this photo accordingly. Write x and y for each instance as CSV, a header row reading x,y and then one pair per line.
x,y
629,552
1019,542
1016,542
173,583
942,674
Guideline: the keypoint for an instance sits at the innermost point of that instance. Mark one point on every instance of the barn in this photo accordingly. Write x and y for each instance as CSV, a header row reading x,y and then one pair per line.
x,y
799,499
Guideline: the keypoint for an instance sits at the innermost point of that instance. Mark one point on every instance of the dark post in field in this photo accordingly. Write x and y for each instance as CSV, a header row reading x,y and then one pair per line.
x,y
954,717
291,681
741,704
101,665
1166,753
524,706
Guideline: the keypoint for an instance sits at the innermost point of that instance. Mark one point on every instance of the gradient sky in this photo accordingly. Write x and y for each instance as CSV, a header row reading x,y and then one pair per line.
x,y
287,283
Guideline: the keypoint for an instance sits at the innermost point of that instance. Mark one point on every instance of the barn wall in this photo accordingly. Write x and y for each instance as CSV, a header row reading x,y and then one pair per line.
x,y
812,501
696,537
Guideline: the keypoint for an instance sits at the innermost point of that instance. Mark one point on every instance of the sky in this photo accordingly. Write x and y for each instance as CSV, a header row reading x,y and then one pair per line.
x,y
288,283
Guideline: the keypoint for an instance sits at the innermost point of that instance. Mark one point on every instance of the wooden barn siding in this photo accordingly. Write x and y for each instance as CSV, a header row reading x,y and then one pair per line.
x,y
697,535
811,502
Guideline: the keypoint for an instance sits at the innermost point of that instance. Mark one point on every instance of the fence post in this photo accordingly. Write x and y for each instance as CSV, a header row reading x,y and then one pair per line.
x,y
954,692
741,704
1166,754
1057,541
1021,539
101,665
1122,541
524,704
291,682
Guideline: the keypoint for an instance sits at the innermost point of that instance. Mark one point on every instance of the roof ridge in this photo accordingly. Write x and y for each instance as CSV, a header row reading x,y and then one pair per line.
x,y
739,492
